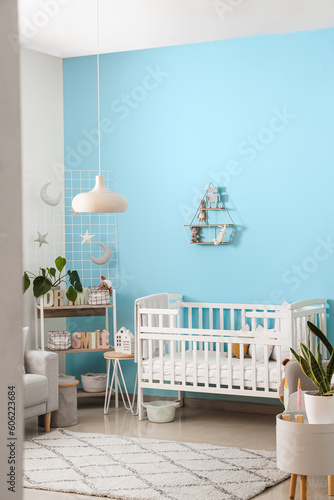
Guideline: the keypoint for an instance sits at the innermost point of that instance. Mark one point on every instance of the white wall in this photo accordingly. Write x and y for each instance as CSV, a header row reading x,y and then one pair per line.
x,y
10,257
43,161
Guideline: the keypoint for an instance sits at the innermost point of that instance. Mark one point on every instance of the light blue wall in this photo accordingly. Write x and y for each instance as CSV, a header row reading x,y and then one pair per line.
x,y
255,117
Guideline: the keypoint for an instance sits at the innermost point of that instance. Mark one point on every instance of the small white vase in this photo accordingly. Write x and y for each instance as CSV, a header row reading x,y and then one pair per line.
x,y
319,409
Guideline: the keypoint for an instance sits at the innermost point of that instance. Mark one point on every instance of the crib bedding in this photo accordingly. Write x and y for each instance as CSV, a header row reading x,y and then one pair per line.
x,y
212,364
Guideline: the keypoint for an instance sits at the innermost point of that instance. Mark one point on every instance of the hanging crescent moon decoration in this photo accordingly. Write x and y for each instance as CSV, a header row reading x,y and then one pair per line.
x,y
47,199
104,259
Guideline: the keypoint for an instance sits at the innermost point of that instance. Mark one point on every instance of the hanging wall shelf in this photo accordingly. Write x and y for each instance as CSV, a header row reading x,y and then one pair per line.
x,y
209,222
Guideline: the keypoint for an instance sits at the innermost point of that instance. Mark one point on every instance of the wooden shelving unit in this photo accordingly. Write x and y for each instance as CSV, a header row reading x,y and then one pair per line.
x,y
76,351
43,313
72,311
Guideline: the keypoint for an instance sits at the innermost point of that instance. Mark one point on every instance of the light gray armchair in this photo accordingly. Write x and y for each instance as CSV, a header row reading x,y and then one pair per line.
x,y
40,384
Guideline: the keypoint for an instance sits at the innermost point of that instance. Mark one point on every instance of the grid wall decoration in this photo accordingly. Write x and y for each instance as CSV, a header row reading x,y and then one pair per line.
x,y
102,226
39,216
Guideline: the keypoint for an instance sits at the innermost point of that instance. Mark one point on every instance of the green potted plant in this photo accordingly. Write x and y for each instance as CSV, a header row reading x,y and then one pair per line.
x,y
49,278
319,404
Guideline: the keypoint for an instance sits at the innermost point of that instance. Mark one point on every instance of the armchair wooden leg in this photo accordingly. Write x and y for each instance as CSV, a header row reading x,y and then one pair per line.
x,y
293,483
331,486
47,421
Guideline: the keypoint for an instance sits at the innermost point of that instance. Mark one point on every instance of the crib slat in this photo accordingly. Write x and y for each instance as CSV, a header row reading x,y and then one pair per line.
x,y
265,323
150,355
243,317
241,367
161,360
172,361
200,318
232,319
218,364
221,319
229,363
253,324
266,369
183,348
254,369
206,364
195,364
211,318
190,317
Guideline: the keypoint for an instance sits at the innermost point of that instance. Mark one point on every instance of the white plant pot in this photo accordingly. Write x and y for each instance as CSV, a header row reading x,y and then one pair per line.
x,y
319,409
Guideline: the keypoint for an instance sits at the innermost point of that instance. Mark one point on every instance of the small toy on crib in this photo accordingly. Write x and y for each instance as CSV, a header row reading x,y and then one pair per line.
x,y
105,285
202,214
221,235
194,234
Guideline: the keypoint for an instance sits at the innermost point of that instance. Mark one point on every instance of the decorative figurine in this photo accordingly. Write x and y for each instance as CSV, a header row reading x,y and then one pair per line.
x,y
212,197
221,235
105,285
202,214
194,234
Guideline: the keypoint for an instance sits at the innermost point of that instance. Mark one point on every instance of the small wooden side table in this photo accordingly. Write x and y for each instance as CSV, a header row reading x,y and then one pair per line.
x,y
305,450
115,386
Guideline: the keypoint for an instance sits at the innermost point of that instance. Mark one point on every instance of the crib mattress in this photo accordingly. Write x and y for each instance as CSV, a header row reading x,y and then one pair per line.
x,y
201,372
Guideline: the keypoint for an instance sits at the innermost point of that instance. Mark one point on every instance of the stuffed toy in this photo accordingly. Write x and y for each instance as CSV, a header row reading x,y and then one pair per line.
x,y
221,235
105,285
194,234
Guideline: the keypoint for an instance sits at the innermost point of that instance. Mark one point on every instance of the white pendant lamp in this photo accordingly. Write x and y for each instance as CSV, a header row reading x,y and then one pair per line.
x,y
99,199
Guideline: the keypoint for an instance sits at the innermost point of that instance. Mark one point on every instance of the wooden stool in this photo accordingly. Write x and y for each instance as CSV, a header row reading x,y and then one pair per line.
x,y
115,358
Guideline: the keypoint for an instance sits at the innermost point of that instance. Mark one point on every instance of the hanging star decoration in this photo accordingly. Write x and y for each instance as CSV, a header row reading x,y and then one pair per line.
x,y
74,213
41,239
86,238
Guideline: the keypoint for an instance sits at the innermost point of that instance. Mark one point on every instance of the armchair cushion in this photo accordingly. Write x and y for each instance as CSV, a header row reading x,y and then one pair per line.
x,y
45,364
35,389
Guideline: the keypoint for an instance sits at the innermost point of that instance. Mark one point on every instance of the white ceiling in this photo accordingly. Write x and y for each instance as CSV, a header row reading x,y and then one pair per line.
x,y
67,28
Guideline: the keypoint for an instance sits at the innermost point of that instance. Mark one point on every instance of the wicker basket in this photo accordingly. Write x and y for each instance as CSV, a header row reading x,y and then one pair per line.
x,y
98,297
94,382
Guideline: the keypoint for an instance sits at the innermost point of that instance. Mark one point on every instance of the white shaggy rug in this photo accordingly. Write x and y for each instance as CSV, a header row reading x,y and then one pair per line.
x,y
145,469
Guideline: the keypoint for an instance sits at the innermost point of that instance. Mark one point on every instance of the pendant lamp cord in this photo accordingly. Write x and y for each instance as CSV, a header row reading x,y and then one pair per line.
x,y
98,82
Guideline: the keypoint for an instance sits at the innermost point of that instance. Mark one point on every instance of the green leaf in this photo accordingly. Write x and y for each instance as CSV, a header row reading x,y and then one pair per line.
x,y
329,393
60,263
75,280
295,354
318,333
43,271
319,360
330,368
307,370
41,286
26,282
71,294
305,351
317,373
52,272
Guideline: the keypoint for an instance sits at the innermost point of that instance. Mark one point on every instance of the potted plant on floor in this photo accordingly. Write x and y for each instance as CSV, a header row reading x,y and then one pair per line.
x,y
319,404
49,278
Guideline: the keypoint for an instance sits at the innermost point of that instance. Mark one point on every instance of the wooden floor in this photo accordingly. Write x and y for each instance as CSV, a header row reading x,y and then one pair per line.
x,y
203,424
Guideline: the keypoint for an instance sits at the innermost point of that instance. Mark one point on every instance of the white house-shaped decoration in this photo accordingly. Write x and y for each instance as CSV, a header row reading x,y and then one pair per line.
x,y
124,341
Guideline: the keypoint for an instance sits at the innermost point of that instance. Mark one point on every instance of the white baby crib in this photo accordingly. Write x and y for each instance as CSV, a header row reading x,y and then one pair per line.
x,y
187,346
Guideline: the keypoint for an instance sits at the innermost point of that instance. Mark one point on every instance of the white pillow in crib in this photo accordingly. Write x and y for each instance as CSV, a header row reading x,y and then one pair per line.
x,y
259,349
